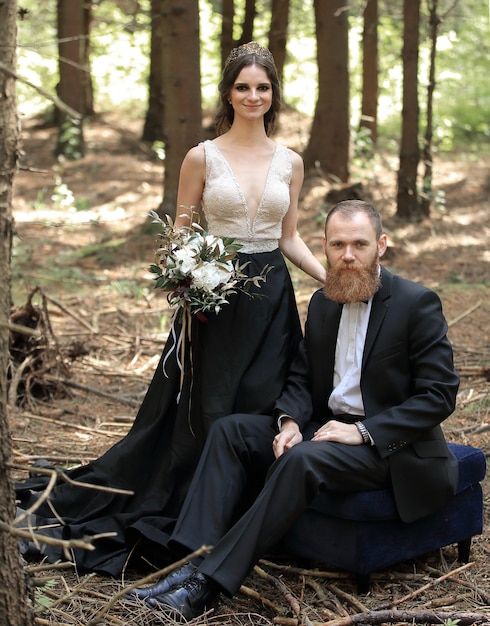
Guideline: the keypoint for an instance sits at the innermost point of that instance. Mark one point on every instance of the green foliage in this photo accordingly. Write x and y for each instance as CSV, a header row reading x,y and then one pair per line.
x,y
40,599
70,141
132,289
120,42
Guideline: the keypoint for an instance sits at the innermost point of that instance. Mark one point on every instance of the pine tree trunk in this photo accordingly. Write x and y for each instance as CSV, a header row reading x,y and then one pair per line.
x,y
408,207
14,605
369,108
328,147
153,128
74,75
278,34
183,114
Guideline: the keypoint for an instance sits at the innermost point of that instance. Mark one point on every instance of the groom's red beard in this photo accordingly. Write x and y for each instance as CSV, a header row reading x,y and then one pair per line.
x,y
346,283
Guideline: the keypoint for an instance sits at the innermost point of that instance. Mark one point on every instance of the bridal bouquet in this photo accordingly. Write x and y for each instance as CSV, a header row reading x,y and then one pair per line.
x,y
198,270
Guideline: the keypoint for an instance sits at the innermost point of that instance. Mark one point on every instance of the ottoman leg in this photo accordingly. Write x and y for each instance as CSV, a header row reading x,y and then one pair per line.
x,y
464,550
363,584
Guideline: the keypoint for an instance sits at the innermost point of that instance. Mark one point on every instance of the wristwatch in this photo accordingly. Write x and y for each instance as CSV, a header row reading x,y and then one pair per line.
x,y
364,432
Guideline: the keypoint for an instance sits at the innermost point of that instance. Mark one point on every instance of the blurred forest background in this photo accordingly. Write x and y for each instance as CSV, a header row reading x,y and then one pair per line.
x,y
406,77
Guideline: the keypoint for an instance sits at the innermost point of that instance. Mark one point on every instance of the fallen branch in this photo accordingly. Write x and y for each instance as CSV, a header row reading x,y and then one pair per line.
x,y
69,312
66,544
255,595
59,422
23,330
347,597
464,314
97,392
59,473
433,583
290,598
322,596
409,617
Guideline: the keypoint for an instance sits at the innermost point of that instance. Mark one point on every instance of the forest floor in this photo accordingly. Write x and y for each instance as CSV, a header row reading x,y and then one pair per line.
x,y
81,252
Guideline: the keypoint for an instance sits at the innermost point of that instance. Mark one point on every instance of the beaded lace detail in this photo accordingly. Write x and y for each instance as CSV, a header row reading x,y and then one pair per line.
x,y
225,206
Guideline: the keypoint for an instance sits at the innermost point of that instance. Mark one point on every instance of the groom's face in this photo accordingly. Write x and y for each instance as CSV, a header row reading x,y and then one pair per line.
x,y
353,252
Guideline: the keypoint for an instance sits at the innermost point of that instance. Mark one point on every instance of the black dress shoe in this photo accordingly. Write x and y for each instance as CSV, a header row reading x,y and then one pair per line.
x,y
196,594
175,578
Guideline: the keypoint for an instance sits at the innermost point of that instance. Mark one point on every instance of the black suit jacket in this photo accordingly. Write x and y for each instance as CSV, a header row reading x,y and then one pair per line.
x,y
408,386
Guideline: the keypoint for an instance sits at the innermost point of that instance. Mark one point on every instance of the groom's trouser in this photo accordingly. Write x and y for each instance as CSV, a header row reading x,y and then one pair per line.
x,y
238,453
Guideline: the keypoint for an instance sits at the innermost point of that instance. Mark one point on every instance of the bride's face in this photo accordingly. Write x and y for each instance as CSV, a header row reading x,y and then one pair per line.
x,y
251,94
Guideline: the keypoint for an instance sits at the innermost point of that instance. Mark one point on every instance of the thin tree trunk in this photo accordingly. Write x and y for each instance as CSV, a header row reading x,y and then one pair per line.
x,y
153,128
73,70
182,89
278,34
369,109
14,606
248,21
228,18
408,207
434,22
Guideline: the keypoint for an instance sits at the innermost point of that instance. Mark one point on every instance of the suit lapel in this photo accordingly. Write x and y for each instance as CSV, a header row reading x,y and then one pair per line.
x,y
378,311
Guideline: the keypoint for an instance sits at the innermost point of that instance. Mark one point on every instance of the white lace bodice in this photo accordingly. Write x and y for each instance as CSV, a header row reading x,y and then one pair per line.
x,y
225,206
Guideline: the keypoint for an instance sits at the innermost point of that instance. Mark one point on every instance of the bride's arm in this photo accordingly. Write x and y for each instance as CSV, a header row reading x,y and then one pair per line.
x,y
291,244
191,186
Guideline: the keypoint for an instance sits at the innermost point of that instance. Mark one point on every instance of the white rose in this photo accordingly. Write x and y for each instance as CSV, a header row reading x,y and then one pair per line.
x,y
187,258
209,275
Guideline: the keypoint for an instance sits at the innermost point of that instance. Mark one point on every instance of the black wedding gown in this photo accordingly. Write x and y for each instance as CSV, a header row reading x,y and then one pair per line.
x,y
240,359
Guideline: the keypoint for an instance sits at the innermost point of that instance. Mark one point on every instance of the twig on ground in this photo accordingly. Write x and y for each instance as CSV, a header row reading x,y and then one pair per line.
x,y
432,583
23,330
59,473
95,431
347,597
69,312
97,392
322,596
464,314
291,599
255,595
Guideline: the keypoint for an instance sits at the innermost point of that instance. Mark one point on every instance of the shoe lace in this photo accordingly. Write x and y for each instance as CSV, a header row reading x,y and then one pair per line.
x,y
194,583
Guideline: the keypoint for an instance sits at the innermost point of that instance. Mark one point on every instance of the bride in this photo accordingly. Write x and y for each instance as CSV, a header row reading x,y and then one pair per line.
x,y
247,187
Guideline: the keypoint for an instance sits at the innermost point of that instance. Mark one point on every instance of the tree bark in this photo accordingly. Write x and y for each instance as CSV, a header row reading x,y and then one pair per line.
x,y
182,90
74,84
328,147
153,128
228,18
426,198
408,207
369,107
248,21
14,606
278,34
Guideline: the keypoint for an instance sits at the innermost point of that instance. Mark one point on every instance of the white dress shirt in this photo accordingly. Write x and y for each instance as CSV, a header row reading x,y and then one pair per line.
x,y
346,395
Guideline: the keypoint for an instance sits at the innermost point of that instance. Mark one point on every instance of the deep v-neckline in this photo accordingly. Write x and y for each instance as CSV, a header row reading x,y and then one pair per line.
x,y
251,221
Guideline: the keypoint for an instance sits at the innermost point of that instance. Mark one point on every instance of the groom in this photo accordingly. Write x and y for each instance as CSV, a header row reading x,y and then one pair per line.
x,y
361,410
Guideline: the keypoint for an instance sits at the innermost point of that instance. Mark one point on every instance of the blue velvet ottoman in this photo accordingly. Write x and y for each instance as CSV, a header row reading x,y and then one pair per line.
x,y
362,533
